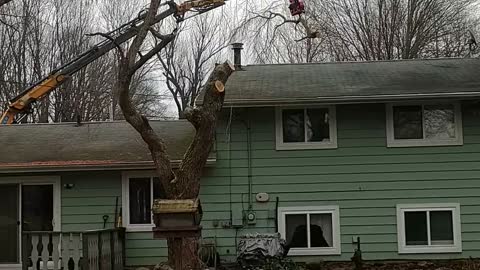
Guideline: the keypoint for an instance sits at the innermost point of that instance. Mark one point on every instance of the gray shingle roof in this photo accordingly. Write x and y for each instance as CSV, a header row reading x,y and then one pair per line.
x,y
353,81
93,145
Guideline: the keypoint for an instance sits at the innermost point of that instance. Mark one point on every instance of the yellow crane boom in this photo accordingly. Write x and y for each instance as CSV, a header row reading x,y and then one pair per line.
x,y
22,103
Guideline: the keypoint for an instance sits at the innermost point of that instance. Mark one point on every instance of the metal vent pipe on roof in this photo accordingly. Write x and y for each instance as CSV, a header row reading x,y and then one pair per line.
x,y
237,54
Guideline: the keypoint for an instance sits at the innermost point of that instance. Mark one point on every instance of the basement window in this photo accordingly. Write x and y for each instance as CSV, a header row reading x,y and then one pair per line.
x,y
139,190
424,124
310,230
429,228
306,128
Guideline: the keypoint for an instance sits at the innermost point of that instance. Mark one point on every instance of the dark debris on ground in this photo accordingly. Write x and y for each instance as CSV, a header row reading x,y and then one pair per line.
x,y
471,264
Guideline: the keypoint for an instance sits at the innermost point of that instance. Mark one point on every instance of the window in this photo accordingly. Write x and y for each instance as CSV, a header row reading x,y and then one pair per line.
x,y
320,237
306,128
429,228
424,125
139,191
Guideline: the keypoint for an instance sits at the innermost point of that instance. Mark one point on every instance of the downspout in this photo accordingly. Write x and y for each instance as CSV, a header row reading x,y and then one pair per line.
x,y
228,137
237,49
249,156
249,159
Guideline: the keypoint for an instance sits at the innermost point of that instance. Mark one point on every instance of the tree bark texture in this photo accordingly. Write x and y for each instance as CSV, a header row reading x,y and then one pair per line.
x,y
187,177
183,183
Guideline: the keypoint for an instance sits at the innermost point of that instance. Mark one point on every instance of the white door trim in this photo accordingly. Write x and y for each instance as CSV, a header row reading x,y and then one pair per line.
x,y
35,180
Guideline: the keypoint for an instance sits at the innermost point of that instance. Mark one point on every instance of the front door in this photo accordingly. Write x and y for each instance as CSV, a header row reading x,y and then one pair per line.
x,y
9,224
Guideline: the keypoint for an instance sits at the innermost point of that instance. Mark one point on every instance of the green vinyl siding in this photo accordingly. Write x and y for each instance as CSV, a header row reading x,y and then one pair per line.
x,y
364,177
93,196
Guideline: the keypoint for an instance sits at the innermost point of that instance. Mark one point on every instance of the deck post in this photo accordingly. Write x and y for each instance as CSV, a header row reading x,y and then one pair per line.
x,y
100,255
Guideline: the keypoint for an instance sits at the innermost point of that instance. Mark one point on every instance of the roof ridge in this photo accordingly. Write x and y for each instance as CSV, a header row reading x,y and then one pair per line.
x,y
367,62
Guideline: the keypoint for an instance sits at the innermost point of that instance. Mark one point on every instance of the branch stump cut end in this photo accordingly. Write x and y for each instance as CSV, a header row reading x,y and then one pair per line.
x,y
220,87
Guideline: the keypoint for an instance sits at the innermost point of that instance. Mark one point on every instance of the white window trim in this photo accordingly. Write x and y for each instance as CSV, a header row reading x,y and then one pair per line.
x,y
334,210
53,180
280,145
392,142
126,198
457,230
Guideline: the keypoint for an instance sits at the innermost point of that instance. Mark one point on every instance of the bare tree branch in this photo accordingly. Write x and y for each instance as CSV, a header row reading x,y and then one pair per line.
x,y
4,2
127,68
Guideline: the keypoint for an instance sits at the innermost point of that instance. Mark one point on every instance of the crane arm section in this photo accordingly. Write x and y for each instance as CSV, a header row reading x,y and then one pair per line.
x,y
22,103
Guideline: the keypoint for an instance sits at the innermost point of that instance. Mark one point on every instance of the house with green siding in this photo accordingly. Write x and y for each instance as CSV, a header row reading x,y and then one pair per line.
x,y
387,152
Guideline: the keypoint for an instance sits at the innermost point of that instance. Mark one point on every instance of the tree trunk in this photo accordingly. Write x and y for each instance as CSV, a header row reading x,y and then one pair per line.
x,y
183,183
184,253
187,177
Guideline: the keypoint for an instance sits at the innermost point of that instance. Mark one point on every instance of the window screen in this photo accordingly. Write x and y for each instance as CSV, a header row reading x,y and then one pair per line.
x,y
441,224
407,122
419,233
416,228
293,125
318,234
140,200
432,122
318,128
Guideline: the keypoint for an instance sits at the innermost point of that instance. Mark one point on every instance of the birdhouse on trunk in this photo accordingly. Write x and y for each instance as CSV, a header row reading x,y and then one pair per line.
x,y
177,218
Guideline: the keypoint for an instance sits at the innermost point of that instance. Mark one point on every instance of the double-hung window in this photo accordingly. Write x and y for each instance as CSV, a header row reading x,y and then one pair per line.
x,y
139,191
306,128
429,228
310,230
430,124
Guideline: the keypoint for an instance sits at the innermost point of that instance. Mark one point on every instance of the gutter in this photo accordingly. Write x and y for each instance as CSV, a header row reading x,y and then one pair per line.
x,y
143,165
345,99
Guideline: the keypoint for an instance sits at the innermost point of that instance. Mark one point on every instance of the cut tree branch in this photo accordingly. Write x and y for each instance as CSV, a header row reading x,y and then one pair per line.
x,y
128,66
204,119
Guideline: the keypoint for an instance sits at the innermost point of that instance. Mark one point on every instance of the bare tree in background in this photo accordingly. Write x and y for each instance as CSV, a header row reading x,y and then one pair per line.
x,y
392,29
144,89
188,60
355,30
34,41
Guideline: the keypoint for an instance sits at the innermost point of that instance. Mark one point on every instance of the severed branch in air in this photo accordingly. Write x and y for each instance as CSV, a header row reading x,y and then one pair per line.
x,y
310,34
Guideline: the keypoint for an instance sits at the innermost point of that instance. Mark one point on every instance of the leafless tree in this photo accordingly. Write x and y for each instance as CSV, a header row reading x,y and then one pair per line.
x,y
352,30
145,88
188,60
390,29
184,182
278,37
34,41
